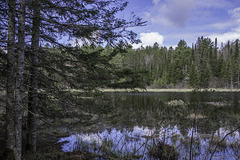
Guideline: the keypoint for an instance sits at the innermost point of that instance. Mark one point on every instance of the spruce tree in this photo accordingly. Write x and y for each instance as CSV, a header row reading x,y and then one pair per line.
x,y
236,64
193,76
20,80
48,21
10,86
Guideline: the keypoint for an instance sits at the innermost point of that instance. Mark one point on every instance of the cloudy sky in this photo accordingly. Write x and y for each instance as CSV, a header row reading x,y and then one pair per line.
x,y
172,20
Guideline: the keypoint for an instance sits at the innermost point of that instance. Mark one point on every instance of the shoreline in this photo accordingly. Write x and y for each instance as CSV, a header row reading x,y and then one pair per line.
x,y
155,90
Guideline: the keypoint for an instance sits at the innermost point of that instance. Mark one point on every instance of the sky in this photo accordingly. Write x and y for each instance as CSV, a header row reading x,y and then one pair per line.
x,y
169,21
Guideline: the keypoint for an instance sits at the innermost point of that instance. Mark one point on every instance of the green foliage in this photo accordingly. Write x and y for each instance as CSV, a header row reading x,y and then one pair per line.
x,y
181,45
193,77
161,82
200,66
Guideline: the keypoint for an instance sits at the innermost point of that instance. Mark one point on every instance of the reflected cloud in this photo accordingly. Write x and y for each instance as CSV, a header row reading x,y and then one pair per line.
x,y
135,141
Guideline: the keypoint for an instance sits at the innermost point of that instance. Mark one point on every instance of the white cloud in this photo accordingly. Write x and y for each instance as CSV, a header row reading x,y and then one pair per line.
x,y
147,14
162,20
148,39
177,13
225,37
221,25
212,3
235,14
232,22
172,13
234,32
155,2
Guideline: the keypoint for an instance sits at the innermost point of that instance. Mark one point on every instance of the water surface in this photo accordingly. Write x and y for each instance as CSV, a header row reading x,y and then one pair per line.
x,y
196,124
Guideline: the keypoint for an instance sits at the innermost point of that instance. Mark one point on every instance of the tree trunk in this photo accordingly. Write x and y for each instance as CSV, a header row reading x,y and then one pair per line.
x,y
10,139
33,86
19,81
231,82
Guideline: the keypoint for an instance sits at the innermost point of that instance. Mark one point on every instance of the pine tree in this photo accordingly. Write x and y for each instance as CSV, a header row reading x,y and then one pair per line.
x,y
19,80
221,67
92,21
33,84
10,87
236,64
213,59
193,76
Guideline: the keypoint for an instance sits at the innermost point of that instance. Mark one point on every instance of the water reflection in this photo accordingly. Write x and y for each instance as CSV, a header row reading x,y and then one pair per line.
x,y
193,123
141,139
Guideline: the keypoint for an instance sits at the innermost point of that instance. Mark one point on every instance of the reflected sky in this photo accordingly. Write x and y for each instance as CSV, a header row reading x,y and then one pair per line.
x,y
136,122
140,139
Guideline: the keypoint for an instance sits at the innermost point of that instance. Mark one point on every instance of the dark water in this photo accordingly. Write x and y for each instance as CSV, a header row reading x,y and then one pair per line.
x,y
197,125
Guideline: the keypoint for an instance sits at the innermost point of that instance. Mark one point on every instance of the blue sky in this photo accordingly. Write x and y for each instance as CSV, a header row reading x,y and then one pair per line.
x,y
172,20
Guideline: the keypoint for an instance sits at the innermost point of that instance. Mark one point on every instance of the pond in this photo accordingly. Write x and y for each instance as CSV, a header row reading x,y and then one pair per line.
x,y
191,125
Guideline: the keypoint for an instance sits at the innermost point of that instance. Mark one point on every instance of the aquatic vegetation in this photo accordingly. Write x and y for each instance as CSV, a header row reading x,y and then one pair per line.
x,y
147,143
176,103
143,126
195,116
163,151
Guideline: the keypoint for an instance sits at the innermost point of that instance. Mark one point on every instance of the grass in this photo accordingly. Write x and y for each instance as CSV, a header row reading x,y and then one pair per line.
x,y
169,90
156,90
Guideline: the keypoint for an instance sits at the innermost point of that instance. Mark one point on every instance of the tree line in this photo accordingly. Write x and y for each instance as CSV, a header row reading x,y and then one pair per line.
x,y
38,69
203,65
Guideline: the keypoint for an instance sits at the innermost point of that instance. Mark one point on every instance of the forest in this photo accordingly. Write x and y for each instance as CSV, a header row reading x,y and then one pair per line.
x,y
203,65
43,78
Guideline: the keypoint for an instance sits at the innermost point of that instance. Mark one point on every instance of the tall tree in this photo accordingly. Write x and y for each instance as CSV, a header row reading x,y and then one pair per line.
x,y
19,80
193,76
10,87
236,64
213,59
89,21
33,85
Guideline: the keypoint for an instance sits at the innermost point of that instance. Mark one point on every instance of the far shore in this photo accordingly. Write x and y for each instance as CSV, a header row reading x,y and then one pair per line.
x,y
168,90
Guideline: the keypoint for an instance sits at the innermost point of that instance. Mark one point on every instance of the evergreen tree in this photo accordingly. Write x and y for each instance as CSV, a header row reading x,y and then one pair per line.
x,y
19,80
173,66
14,82
221,67
193,76
236,65
33,84
213,60
92,21
181,45
10,86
